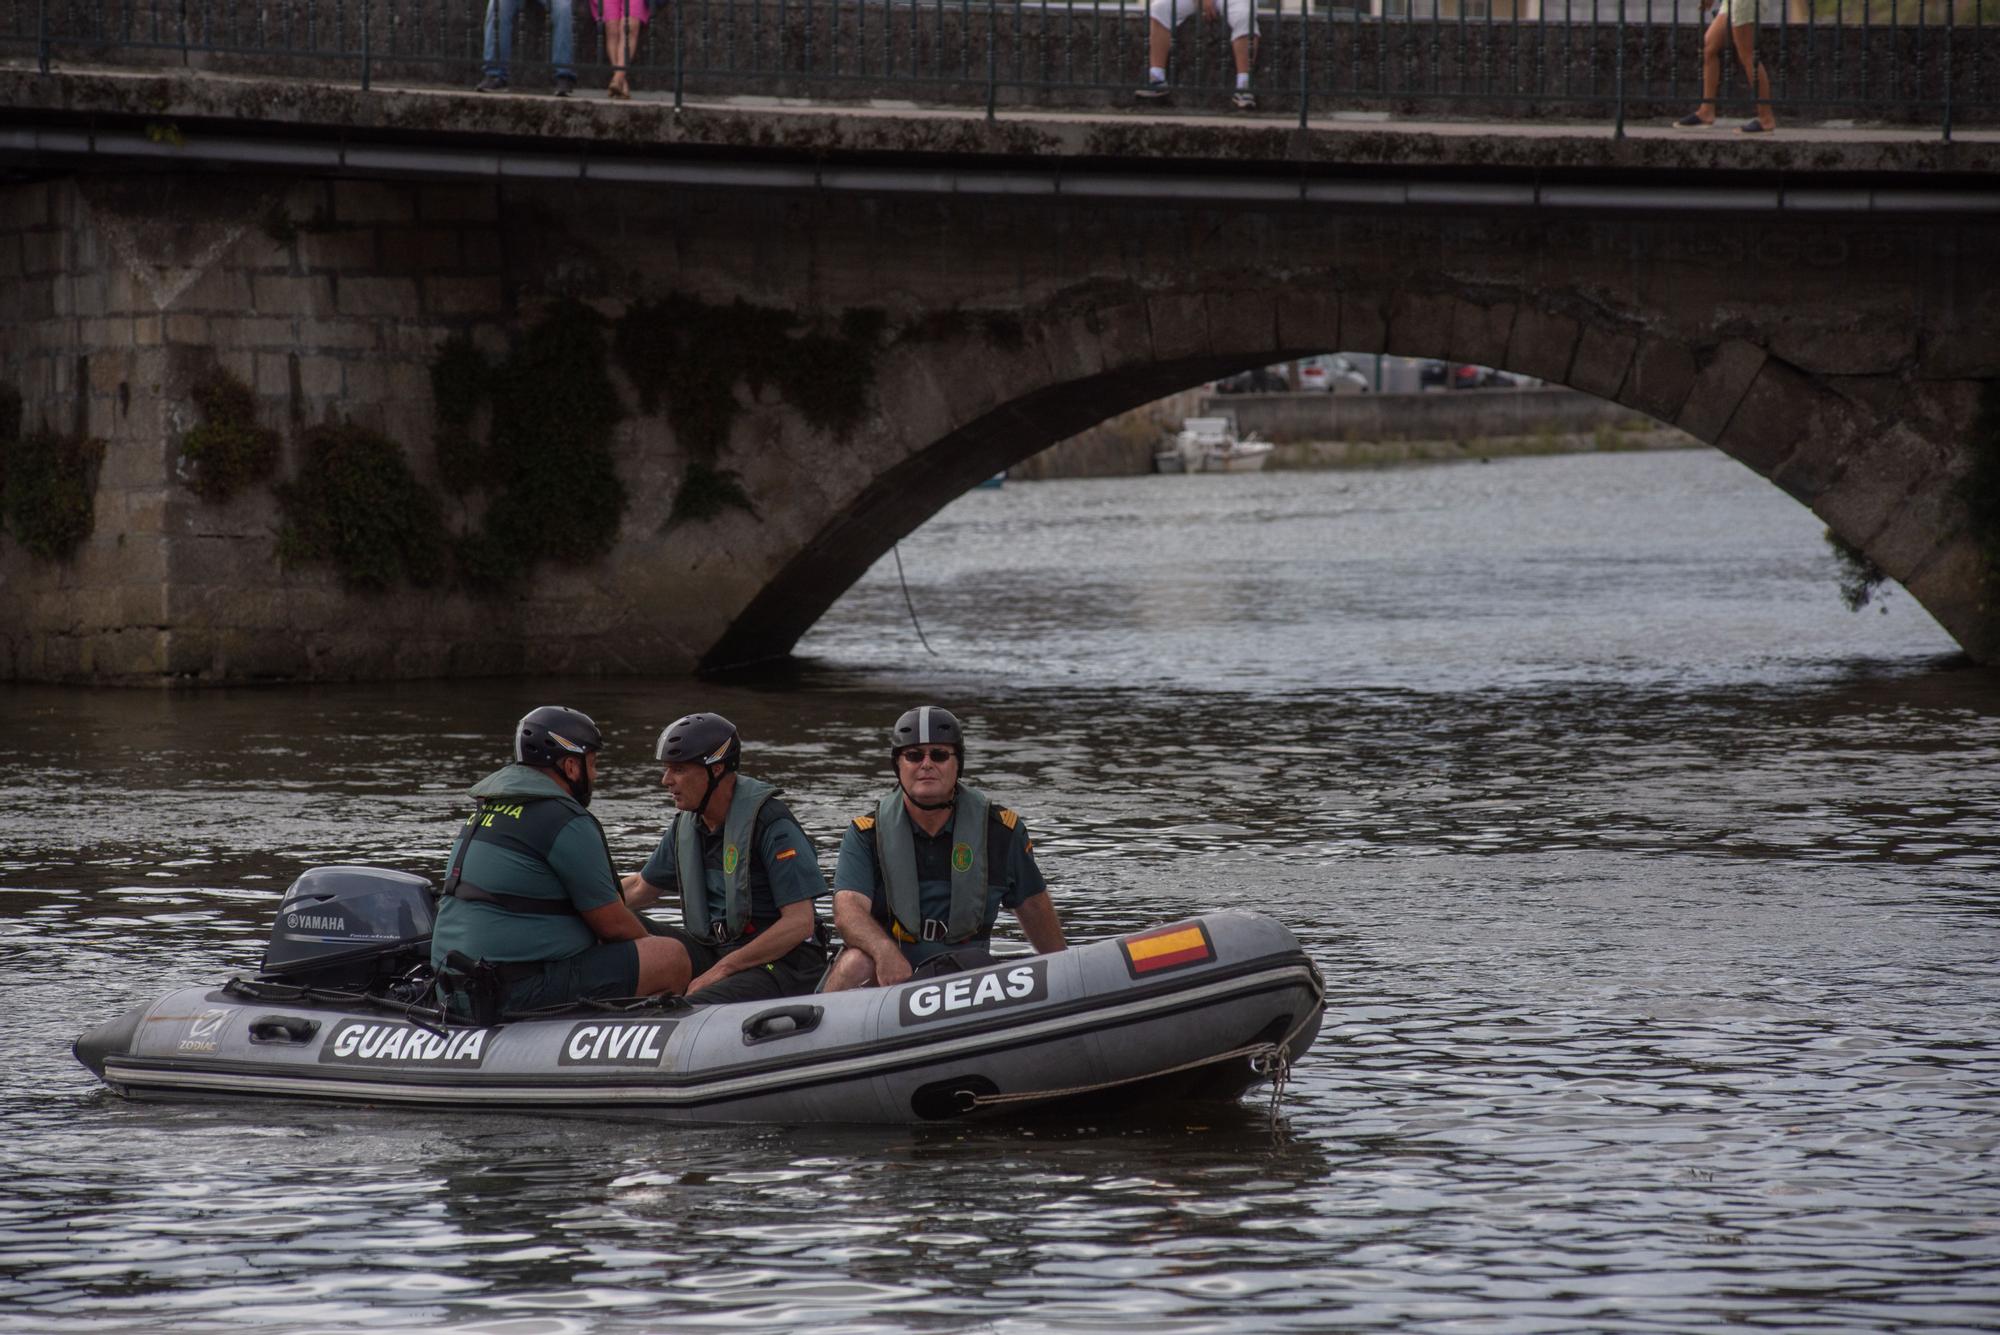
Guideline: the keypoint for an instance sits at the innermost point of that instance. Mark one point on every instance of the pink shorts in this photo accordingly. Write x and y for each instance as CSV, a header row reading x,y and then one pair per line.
x,y
634,10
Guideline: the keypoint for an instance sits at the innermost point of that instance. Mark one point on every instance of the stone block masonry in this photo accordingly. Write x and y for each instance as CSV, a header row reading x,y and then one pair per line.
x,y
123,293
1008,319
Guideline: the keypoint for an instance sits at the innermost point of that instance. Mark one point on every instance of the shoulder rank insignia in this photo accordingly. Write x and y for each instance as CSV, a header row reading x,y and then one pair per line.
x,y
1008,818
864,822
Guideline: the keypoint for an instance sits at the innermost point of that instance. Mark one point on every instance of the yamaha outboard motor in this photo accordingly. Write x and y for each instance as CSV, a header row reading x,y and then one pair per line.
x,y
350,928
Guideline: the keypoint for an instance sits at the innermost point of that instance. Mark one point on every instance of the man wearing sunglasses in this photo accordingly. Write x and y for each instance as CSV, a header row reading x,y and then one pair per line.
x,y
747,874
921,880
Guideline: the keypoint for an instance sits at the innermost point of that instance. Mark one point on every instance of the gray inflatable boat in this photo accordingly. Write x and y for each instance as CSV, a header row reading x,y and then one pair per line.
x,y
1199,1011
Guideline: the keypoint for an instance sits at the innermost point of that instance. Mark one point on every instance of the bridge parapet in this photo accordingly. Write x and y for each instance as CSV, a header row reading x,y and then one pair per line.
x,y
1923,62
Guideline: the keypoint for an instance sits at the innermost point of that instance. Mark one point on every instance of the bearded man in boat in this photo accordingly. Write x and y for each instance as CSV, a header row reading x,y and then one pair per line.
x,y
530,915
747,874
922,878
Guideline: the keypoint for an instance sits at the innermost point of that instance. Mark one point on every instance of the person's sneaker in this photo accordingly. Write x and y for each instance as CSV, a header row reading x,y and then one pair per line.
x,y
1155,90
492,83
1243,100
565,84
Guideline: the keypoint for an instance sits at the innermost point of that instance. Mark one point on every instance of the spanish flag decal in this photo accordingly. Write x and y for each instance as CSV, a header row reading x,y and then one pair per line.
x,y
786,854
1167,948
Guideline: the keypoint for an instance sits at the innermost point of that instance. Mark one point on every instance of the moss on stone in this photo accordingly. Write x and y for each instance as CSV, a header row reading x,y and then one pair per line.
x,y
1005,330
554,488
227,450
1860,577
461,382
1979,489
10,432
284,229
278,226
705,492
546,467
829,377
357,506
48,488
686,357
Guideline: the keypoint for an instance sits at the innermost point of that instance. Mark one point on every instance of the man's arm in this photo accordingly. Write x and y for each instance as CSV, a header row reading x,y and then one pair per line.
x,y
794,924
638,891
582,862
1038,920
854,914
614,922
662,873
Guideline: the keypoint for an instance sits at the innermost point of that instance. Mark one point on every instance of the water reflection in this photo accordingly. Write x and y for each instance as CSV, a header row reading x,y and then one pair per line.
x,y
1652,892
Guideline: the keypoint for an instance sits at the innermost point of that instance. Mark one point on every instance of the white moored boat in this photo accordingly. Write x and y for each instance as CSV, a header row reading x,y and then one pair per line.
x,y
1197,1010
1210,445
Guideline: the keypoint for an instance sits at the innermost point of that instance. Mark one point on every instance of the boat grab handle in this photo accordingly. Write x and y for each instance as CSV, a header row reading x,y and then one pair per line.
x,y
783,1022
283,1029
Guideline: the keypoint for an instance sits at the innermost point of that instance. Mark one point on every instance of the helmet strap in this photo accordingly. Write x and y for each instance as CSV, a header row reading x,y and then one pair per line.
x,y
714,782
928,806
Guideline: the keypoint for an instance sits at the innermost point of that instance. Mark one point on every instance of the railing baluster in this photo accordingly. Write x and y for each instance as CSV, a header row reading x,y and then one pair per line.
x,y
1619,133
1305,84
1950,32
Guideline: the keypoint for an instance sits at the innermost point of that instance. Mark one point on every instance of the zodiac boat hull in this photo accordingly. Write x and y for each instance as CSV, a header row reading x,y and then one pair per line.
x,y
1199,1010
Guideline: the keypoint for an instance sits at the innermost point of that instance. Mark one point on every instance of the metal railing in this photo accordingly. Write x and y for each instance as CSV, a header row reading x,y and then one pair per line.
x,y
1930,63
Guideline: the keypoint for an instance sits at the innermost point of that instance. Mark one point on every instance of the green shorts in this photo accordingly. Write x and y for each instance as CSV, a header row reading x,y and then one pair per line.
x,y
608,969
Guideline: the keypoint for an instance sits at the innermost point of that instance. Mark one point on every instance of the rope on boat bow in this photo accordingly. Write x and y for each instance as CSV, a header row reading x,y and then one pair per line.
x,y
898,550
1272,1060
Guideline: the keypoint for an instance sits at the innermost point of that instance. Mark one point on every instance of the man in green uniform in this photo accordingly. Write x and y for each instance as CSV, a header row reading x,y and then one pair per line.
x,y
922,878
530,891
747,874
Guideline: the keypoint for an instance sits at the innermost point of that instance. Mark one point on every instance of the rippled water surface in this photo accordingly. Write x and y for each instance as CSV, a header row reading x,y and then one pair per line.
x,y
1655,893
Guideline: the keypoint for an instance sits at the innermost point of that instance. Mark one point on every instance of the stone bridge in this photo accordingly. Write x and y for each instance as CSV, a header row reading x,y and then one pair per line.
x,y
667,384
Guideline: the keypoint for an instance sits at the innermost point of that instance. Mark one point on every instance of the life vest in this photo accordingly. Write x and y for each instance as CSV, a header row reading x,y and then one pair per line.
x,y
896,855
738,828
531,826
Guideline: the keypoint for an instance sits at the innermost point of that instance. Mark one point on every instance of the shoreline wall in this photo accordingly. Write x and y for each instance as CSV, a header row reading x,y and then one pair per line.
x,y
1458,414
1367,430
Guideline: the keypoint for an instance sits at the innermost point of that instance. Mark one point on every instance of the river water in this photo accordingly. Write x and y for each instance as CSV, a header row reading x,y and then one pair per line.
x,y
1654,890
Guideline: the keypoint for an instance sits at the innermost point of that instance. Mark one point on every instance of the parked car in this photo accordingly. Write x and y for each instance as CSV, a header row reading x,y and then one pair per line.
x,y
1260,380
1332,374
1434,375
1464,376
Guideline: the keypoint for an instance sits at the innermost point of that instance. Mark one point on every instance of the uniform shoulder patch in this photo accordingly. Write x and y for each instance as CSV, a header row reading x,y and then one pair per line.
x,y
1009,818
864,822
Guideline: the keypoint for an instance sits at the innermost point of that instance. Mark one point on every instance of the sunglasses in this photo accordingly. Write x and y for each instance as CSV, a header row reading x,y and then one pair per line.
x,y
912,755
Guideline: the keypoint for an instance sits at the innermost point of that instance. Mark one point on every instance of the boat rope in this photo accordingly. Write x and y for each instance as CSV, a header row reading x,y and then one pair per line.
x,y
898,550
430,1019
1272,1060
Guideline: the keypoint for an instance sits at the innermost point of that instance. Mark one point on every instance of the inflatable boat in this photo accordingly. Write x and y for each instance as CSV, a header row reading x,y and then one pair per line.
x,y
343,1010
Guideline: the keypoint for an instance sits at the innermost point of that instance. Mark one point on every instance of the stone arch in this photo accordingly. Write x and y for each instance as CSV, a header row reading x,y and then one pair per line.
x,y
1879,472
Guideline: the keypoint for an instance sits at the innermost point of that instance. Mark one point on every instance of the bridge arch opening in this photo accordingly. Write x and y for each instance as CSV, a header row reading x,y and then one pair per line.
x,y
1821,446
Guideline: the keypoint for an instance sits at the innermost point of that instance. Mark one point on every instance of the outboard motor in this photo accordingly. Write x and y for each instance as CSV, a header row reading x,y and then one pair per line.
x,y
350,928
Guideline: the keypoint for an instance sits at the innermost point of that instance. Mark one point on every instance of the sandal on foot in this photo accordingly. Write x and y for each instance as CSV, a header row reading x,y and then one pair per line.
x,y
1692,121
1756,127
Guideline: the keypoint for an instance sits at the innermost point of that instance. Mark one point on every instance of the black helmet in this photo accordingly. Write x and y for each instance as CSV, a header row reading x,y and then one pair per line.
x,y
706,738
925,724
544,736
